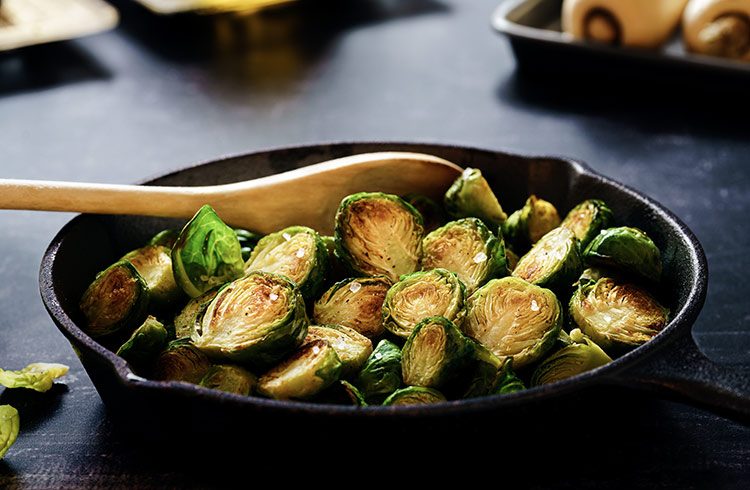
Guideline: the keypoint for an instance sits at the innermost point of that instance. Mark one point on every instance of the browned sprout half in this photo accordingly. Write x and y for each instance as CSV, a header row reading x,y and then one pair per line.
x,y
311,369
230,378
435,353
352,347
355,303
579,356
379,234
513,318
467,248
471,196
616,313
117,299
181,361
154,264
587,219
416,296
553,262
530,223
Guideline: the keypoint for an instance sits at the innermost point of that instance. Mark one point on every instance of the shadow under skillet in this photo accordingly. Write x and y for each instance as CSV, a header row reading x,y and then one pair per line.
x,y
713,109
46,66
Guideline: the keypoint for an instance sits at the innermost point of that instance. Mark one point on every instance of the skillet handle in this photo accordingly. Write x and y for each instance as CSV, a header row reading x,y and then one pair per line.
x,y
682,372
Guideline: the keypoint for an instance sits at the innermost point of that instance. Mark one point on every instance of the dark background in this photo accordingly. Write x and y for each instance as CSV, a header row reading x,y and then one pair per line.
x,y
160,93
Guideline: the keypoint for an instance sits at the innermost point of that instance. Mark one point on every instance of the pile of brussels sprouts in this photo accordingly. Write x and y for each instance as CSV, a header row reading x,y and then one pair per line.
x,y
400,306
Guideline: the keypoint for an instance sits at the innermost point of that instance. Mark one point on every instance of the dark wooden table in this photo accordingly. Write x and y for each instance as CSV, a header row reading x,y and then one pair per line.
x,y
160,93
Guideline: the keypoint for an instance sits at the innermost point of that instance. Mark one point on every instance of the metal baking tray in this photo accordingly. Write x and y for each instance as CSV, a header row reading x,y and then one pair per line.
x,y
29,22
170,7
534,30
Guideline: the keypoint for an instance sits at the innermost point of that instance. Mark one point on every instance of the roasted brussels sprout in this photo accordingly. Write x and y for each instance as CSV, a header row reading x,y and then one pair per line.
x,y
117,299
207,254
189,319
581,356
296,252
513,318
471,196
352,347
145,343
434,354
379,234
437,292
381,374
38,376
154,264
616,313
432,213
625,248
490,375
355,303
468,249
506,380
530,223
355,396
165,238
10,423
414,395
229,378
248,240
314,367
553,262
181,361
259,319
587,219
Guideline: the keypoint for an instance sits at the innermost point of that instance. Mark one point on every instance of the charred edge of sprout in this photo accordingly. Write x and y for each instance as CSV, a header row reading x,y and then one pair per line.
x,y
117,299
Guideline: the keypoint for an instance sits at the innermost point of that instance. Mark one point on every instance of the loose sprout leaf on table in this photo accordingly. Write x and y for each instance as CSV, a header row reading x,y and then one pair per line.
x,y
409,302
9,425
39,376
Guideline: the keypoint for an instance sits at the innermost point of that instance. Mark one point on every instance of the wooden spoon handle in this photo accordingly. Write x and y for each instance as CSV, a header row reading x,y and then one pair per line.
x,y
178,202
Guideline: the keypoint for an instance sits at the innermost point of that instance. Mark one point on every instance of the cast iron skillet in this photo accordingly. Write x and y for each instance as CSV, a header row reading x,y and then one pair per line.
x,y
670,364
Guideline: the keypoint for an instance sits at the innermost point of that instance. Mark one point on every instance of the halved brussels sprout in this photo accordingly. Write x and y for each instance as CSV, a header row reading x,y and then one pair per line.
x,y
10,423
587,219
513,318
381,374
207,254
355,303
530,223
259,318
414,395
145,343
314,367
154,264
506,380
553,262
435,353
379,234
437,292
38,376
248,240
229,378
181,361
352,347
189,319
296,252
628,249
468,249
165,238
117,299
581,356
432,213
616,313
471,196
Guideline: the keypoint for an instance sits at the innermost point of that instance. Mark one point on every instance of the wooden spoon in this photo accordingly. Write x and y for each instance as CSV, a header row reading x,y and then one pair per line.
x,y
306,196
